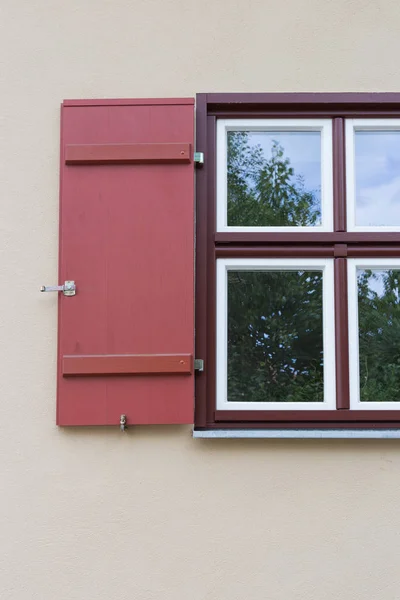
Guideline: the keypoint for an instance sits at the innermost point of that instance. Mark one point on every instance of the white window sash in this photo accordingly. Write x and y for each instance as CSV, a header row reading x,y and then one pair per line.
x,y
272,264
283,125
353,125
354,350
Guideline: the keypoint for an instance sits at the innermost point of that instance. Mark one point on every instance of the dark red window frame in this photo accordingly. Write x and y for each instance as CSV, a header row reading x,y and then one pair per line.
x,y
338,245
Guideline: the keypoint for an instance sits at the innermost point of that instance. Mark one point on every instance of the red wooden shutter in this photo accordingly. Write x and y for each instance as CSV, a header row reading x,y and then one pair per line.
x,y
126,339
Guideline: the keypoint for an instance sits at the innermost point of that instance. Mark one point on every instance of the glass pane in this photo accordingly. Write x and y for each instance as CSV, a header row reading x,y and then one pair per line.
x,y
275,351
377,175
274,178
379,335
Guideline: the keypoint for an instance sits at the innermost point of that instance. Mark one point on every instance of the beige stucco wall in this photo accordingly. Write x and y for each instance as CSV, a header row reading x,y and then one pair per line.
x,y
90,514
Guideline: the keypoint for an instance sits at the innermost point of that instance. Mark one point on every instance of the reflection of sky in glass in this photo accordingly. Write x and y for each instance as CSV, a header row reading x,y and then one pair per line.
x,y
377,172
376,281
303,148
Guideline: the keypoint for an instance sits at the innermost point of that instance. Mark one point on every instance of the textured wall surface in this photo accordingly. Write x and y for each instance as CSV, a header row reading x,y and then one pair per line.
x,y
94,514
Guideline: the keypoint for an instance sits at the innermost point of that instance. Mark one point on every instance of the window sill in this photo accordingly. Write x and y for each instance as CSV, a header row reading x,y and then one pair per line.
x,y
296,433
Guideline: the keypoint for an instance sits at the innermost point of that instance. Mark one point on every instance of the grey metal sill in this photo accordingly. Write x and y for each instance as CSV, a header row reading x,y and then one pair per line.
x,y
297,434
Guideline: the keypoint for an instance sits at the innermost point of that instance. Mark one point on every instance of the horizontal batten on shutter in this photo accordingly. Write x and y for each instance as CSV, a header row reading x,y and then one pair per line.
x,y
128,364
101,154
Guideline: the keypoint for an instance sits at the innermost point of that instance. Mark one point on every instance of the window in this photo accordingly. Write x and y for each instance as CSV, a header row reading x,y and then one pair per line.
x,y
298,261
245,148
275,334
373,174
374,326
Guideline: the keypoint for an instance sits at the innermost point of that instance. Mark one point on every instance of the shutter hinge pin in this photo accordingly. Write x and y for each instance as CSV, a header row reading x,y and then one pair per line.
x,y
199,158
198,364
122,423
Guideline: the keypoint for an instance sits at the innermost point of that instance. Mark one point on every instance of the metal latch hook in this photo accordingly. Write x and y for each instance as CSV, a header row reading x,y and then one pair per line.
x,y
68,289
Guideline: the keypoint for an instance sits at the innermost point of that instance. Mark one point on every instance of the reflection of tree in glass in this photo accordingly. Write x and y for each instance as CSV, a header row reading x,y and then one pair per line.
x,y
275,336
265,192
379,335
275,351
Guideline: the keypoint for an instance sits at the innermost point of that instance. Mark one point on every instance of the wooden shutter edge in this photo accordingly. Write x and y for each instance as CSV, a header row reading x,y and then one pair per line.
x,y
129,102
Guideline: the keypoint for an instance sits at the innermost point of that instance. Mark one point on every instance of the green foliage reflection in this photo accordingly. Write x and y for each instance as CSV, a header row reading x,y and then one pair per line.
x,y
264,192
275,336
379,335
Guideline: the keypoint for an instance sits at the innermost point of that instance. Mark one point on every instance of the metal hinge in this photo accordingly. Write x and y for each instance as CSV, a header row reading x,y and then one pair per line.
x,y
199,158
198,364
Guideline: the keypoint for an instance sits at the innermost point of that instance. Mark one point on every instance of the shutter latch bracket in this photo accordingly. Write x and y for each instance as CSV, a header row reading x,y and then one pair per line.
x,y
68,289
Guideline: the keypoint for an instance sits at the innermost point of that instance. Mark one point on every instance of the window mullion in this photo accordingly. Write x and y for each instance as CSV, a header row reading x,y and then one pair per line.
x,y
341,334
339,181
